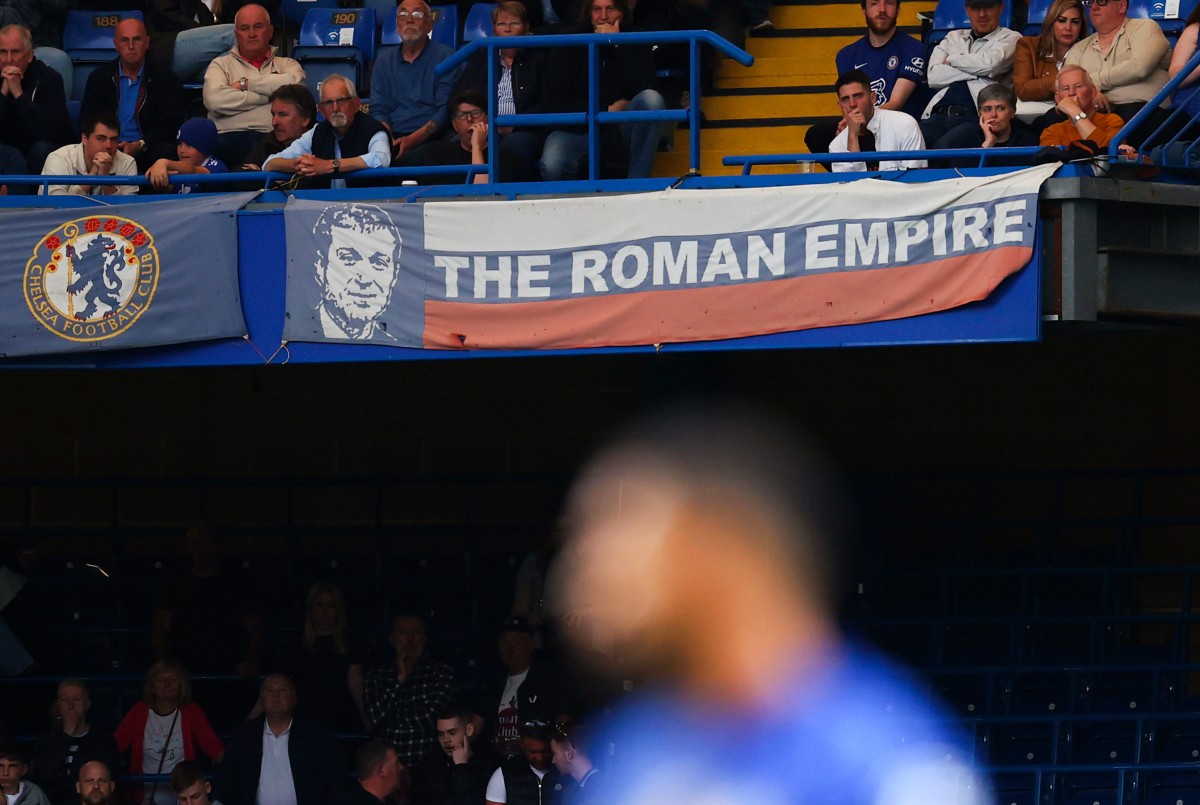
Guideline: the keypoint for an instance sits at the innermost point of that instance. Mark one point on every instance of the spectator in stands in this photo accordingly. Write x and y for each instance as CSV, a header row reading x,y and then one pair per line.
x,y
529,778
1075,95
357,268
347,140
293,112
146,97
894,62
96,154
190,785
13,768
95,785
210,620
402,700
994,129
870,129
469,118
163,729
1126,59
186,35
458,770
33,103
571,745
379,774
760,698
1189,40
626,85
406,96
326,663
519,77
529,691
279,758
1040,56
962,64
197,141
238,84
59,755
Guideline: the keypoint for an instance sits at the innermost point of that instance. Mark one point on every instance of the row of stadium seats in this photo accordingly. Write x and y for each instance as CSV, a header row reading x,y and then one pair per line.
x,y
951,15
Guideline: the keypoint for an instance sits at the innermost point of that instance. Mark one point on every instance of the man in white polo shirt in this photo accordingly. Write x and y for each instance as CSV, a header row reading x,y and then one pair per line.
x,y
278,759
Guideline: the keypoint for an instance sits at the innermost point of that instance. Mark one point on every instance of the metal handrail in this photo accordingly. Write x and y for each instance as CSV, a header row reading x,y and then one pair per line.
x,y
594,117
1149,109
748,162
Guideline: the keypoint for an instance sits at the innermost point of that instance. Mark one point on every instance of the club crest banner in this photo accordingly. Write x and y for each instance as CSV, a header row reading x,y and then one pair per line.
x,y
652,268
120,276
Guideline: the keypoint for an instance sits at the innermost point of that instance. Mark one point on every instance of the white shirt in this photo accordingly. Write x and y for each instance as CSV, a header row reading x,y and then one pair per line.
x,y
978,61
496,791
379,152
894,131
153,739
508,697
68,161
275,783
14,797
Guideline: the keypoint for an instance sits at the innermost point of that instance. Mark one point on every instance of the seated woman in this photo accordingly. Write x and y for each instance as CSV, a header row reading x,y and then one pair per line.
x,y
1040,57
163,729
1185,95
326,663
997,108
518,88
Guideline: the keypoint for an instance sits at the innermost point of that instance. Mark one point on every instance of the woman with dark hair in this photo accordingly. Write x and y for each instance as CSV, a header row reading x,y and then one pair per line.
x,y
1185,94
1039,57
326,663
163,729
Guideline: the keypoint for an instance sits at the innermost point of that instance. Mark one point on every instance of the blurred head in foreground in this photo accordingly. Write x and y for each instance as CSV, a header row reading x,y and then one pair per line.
x,y
697,548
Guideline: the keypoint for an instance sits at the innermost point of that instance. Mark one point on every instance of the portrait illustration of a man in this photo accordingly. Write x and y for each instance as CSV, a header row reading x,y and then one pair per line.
x,y
357,263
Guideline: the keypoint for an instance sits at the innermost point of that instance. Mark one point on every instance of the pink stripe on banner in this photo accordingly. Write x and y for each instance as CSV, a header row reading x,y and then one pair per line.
x,y
708,314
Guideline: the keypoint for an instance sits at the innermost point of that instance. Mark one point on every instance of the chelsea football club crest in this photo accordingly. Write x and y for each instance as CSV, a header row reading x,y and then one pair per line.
x,y
92,278
892,62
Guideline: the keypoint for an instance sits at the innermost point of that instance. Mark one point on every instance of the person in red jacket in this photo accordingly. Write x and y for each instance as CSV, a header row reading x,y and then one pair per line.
x,y
163,729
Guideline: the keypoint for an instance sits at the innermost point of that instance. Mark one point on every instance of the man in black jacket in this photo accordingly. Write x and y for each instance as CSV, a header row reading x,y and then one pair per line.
x,y
379,774
61,753
276,758
457,772
345,141
626,85
530,690
33,103
146,97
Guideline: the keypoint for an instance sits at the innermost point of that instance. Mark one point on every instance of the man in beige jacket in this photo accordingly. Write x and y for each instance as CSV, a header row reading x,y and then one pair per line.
x,y
238,84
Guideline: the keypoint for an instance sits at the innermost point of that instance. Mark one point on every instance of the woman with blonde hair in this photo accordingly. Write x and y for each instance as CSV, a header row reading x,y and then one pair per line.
x,y
326,664
1040,57
163,729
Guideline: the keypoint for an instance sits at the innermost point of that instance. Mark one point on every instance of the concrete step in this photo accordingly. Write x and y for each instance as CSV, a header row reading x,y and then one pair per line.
x,y
773,105
840,15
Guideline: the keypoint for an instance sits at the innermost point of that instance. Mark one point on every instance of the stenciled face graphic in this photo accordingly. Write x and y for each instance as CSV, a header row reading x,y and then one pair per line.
x,y
360,270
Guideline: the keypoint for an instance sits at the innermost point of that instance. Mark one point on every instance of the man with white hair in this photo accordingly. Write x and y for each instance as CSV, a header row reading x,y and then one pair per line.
x,y
33,103
345,141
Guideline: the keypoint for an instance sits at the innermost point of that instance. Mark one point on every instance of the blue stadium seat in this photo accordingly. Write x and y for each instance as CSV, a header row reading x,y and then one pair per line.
x,y
294,11
479,22
445,27
338,40
1157,10
1022,744
88,40
1177,742
1107,742
1037,13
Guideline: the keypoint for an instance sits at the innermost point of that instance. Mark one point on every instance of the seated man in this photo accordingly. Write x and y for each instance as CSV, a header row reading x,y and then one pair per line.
x,y
895,63
530,777
237,85
469,146
95,784
293,111
871,129
347,140
457,772
1127,59
573,758
13,768
626,85
59,754
145,96
518,78
995,129
186,35
96,154
379,774
279,758
406,96
1075,97
189,784
962,64
33,103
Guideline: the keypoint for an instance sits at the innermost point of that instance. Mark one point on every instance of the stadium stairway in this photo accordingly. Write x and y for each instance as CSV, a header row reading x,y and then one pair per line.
x,y
767,107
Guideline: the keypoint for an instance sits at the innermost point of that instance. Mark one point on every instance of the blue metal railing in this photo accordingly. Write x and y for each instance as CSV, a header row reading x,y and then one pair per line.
x,y
1150,108
594,117
748,162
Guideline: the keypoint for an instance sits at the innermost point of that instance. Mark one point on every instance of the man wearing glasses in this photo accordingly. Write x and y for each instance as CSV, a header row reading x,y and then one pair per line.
x,y
468,115
1126,59
344,142
406,96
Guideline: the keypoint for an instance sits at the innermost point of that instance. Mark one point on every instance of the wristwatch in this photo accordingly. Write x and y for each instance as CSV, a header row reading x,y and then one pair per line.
x,y
337,164
243,83
1080,116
